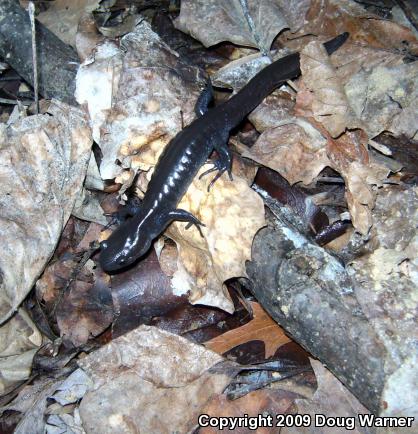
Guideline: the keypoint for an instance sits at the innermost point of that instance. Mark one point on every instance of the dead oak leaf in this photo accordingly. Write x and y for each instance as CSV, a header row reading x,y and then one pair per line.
x,y
345,136
330,105
349,156
63,16
261,327
295,149
230,21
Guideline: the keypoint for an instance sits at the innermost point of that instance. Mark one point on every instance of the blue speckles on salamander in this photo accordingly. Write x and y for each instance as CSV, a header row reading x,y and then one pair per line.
x,y
185,155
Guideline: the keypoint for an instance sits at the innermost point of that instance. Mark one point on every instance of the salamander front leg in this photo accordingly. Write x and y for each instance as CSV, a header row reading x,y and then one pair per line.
x,y
222,164
132,207
185,216
205,98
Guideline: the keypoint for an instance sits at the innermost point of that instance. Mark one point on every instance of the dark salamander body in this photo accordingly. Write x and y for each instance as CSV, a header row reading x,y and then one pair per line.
x,y
185,155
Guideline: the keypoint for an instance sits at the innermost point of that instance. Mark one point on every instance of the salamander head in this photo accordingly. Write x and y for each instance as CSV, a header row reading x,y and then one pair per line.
x,y
126,244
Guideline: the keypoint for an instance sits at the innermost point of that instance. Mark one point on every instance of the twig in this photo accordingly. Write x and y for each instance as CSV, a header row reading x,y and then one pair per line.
x,y
31,10
74,274
252,27
14,101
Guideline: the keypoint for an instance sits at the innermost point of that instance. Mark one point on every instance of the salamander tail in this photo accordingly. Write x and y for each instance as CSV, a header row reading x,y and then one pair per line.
x,y
335,44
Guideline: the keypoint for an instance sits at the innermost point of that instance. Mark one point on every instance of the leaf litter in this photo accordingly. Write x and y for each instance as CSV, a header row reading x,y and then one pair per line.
x,y
139,93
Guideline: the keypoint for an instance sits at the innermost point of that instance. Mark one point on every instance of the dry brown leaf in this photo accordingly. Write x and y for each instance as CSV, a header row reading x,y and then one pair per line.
x,y
276,108
329,105
86,310
359,179
333,17
295,149
149,381
347,153
349,156
260,328
353,58
260,402
230,22
87,37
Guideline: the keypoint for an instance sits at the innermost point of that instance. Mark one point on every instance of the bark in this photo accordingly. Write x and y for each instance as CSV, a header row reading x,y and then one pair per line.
x,y
57,62
309,293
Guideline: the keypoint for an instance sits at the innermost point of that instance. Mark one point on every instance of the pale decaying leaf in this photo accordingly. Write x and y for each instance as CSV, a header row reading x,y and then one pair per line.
x,y
232,213
330,106
33,420
229,21
386,99
352,58
277,107
87,37
237,73
140,386
136,95
43,162
386,286
331,399
19,341
62,17
33,401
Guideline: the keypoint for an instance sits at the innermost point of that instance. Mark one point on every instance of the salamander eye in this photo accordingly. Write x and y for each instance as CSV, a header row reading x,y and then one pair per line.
x,y
103,245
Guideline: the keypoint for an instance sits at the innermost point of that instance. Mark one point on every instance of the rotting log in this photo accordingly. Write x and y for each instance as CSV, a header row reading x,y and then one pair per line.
x,y
57,62
309,293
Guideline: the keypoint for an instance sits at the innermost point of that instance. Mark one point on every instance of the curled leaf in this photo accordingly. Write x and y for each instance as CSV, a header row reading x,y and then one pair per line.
x,y
329,105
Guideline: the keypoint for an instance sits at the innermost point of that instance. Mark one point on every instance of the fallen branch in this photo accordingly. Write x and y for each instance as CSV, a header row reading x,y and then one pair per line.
x,y
309,293
57,62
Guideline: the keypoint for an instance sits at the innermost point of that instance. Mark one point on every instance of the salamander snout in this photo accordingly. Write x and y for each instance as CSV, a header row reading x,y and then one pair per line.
x,y
118,252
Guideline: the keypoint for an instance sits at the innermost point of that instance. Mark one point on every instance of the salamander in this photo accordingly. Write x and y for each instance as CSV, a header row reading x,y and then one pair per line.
x,y
185,154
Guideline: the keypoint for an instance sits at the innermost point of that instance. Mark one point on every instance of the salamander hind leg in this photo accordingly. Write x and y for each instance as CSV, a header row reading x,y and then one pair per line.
x,y
185,216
